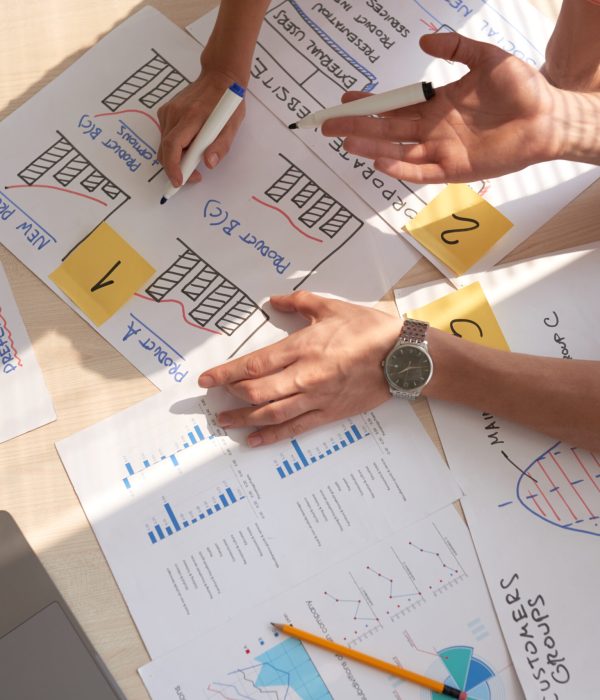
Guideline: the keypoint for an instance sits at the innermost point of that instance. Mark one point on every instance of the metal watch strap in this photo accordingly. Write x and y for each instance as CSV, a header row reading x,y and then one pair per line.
x,y
413,331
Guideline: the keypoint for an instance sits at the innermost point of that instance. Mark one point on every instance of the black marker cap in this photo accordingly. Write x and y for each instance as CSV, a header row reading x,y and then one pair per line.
x,y
428,90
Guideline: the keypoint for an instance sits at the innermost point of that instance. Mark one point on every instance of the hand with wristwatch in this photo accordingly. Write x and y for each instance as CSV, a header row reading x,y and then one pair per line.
x,y
408,367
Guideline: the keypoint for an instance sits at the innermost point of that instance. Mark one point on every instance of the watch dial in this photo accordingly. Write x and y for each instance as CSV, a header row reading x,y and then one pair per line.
x,y
408,367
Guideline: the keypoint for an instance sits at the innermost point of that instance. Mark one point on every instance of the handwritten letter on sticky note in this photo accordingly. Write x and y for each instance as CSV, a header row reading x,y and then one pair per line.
x,y
102,274
458,227
465,313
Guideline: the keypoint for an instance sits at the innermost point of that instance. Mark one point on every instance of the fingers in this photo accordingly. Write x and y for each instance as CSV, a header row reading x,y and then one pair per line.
x,y
455,47
287,430
426,173
183,117
367,148
388,129
268,388
173,142
219,148
253,366
274,413
311,306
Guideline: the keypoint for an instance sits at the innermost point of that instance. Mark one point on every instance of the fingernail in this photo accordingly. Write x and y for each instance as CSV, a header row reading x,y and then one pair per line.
x,y
224,420
206,381
212,159
254,440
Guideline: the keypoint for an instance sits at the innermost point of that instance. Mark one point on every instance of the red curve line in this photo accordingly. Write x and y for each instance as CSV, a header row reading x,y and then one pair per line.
x,y
266,204
12,345
176,301
125,111
60,189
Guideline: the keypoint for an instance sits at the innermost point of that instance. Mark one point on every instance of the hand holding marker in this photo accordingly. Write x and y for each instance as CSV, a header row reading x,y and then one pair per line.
x,y
374,104
212,127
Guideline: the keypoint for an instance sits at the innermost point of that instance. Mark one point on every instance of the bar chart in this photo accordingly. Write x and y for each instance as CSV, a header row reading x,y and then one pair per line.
x,y
300,458
189,439
171,524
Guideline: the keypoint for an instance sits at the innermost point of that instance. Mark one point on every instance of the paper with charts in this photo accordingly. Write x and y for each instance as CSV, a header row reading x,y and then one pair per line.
x,y
196,526
26,403
310,53
532,503
416,599
180,287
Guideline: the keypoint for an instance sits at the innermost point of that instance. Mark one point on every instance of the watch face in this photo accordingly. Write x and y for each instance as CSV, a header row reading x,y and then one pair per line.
x,y
408,367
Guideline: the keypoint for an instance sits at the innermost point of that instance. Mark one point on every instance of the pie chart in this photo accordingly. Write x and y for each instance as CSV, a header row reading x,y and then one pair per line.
x,y
466,672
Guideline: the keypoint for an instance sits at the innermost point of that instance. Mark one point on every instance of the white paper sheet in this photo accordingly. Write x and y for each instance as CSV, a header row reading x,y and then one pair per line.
x,y
270,219
310,53
197,528
533,504
25,401
417,598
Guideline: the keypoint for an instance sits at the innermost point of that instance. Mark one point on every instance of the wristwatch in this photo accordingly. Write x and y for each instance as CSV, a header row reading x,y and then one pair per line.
x,y
408,366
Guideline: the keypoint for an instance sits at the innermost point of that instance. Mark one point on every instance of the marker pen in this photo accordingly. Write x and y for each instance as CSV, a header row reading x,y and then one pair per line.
x,y
375,104
212,127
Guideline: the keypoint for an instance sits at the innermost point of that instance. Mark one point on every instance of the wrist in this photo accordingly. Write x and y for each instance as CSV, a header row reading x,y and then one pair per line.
x,y
578,117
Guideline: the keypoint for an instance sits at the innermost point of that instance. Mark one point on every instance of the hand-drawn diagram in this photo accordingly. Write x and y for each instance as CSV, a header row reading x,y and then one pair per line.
x,y
208,300
562,487
153,82
62,168
156,79
319,59
313,208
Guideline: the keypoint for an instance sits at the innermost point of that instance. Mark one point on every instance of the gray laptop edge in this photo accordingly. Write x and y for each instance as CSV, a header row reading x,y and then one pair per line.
x,y
44,653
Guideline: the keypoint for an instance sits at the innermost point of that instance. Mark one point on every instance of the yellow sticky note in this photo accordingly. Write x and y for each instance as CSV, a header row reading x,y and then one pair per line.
x,y
458,227
465,313
102,274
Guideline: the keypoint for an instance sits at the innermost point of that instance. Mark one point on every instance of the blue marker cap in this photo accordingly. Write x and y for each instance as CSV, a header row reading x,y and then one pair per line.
x,y
238,89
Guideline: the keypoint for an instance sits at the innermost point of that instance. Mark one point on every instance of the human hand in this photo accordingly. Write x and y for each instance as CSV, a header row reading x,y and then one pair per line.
x,y
496,119
326,371
182,118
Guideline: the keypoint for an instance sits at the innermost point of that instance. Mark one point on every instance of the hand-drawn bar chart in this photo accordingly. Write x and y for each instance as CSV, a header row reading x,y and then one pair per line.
x,y
311,211
171,524
208,300
562,487
300,460
149,85
61,170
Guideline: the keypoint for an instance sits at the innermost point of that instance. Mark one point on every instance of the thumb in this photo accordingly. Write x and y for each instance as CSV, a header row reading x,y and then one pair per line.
x,y
455,47
311,306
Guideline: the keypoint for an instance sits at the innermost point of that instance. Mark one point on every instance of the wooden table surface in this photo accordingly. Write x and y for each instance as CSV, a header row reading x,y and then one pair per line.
x,y
88,379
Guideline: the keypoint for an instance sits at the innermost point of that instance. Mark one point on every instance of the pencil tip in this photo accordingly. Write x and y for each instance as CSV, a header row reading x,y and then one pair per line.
x,y
293,126
163,200
276,625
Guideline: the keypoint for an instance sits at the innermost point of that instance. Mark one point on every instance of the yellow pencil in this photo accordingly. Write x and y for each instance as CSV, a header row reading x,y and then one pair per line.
x,y
393,670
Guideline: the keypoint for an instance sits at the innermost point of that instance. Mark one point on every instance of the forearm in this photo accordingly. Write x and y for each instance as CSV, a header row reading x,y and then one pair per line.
x,y
573,52
231,45
555,396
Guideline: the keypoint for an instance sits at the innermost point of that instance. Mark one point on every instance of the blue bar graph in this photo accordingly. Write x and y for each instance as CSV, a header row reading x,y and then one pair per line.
x,y
299,452
172,517
220,503
284,470
194,437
